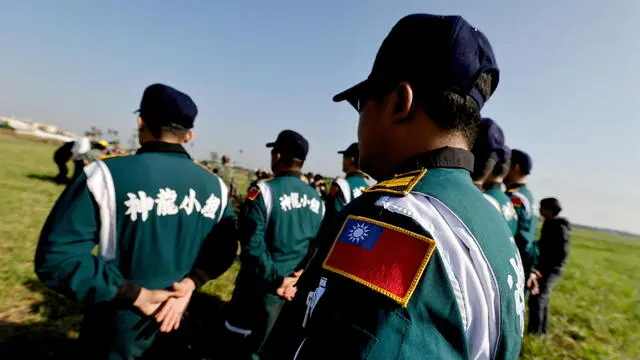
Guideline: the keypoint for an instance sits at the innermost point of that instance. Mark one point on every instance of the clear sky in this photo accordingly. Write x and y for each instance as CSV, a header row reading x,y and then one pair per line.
x,y
568,93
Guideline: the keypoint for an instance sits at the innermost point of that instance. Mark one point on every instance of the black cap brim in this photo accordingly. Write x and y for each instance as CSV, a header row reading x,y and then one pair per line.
x,y
271,144
352,93
342,152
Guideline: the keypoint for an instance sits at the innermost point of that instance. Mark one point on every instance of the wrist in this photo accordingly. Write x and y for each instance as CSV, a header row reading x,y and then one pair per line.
x,y
141,297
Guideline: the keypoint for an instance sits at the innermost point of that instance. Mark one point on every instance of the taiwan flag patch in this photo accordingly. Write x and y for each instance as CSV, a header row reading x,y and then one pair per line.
x,y
253,193
383,257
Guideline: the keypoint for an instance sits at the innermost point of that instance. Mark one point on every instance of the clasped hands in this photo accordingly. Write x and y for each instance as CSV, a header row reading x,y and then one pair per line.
x,y
166,306
288,288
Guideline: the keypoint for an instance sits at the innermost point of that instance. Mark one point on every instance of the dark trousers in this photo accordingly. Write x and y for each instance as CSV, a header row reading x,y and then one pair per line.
x,y
63,172
539,305
78,167
260,318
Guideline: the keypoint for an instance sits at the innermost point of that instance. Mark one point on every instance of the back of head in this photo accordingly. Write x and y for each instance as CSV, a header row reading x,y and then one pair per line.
x,y
167,113
450,68
523,160
491,155
552,204
289,150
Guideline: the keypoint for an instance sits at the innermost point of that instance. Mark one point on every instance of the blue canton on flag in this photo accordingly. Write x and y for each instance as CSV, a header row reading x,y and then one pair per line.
x,y
360,233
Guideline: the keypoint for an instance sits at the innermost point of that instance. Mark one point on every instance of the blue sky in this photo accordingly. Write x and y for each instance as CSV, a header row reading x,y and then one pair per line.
x,y
568,90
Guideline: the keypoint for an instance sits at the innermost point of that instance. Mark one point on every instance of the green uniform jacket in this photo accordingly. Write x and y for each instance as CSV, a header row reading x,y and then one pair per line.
x,y
278,221
496,196
419,267
343,191
525,236
149,215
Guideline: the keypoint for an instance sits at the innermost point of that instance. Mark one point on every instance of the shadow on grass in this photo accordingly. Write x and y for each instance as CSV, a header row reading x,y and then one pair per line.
x,y
51,339
55,338
43,177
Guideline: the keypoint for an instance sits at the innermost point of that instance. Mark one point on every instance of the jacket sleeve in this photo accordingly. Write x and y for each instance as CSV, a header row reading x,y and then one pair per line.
x,y
218,251
64,261
334,201
255,254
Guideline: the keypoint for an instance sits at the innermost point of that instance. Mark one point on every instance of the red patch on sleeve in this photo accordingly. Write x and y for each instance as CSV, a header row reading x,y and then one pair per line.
x,y
334,190
253,193
516,201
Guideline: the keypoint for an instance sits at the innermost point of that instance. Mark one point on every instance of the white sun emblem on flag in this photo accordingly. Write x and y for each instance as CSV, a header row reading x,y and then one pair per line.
x,y
358,232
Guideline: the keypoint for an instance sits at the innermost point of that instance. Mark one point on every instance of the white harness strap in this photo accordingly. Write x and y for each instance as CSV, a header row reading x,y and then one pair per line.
x,y
224,195
265,190
100,184
345,188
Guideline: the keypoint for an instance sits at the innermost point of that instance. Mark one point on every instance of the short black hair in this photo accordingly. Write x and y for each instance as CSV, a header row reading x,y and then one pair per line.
x,y
552,204
452,111
500,169
174,130
290,161
482,168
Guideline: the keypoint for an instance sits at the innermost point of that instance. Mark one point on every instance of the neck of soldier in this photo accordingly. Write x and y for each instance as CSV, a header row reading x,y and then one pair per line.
x,y
349,169
414,143
146,137
518,179
495,179
279,168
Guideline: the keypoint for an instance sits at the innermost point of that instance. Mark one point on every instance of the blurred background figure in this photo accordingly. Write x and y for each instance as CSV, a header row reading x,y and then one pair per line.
x,y
80,147
320,186
72,150
226,173
553,249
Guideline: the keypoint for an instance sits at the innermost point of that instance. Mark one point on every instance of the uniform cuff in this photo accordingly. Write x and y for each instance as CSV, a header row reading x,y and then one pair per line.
x,y
128,292
199,277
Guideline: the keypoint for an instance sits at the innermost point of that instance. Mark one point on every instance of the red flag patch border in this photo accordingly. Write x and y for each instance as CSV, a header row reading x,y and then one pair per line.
x,y
253,193
416,278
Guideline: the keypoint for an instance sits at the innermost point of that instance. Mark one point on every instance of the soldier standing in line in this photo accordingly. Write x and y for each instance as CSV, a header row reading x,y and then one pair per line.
x,y
163,226
522,199
420,265
491,164
344,190
279,219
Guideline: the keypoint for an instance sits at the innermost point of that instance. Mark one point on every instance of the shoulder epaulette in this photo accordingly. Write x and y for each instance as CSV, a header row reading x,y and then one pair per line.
x,y
401,184
202,166
112,156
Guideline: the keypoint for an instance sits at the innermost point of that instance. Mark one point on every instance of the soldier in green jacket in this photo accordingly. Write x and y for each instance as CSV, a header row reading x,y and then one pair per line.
x,y
344,190
163,226
491,164
420,266
523,201
278,221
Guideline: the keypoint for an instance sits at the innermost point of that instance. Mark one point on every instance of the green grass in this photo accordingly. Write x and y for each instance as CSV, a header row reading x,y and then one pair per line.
x,y
595,309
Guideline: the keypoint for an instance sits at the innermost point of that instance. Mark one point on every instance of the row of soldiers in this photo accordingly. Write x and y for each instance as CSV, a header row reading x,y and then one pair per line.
x,y
418,265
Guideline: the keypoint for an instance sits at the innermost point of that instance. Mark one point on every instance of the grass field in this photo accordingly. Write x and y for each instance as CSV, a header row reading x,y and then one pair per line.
x,y
595,309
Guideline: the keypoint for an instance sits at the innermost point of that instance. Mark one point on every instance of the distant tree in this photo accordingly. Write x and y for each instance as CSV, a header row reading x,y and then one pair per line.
x,y
215,158
96,131
133,141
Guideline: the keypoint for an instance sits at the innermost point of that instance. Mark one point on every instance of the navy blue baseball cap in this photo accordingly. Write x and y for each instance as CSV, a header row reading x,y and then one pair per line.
x,y
435,52
290,143
523,159
490,142
163,105
352,151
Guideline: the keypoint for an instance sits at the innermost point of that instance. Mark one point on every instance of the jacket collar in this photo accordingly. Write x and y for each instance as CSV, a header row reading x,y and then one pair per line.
x,y
445,157
162,147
